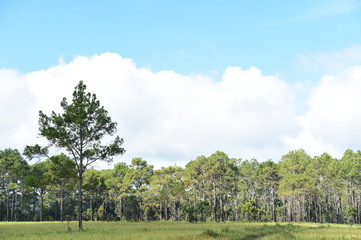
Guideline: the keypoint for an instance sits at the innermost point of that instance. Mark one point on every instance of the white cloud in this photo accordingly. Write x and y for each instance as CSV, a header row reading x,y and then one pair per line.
x,y
163,117
15,102
168,118
333,120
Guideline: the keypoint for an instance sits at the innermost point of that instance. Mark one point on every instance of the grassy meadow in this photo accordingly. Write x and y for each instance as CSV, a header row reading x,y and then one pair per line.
x,y
310,231
174,230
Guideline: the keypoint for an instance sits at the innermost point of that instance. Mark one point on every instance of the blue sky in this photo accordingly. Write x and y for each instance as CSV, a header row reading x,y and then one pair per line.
x,y
186,78
189,37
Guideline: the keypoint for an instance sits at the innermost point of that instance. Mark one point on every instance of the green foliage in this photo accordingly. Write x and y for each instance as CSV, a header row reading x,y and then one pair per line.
x,y
37,177
35,151
12,165
250,209
80,130
191,215
138,175
13,174
215,188
292,172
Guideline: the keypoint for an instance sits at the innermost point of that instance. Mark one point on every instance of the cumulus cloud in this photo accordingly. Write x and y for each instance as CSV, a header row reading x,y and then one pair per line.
x,y
164,117
169,118
332,122
15,103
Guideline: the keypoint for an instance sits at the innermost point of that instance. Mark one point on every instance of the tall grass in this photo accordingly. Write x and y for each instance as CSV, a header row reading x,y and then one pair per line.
x,y
144,230
319,231
174,230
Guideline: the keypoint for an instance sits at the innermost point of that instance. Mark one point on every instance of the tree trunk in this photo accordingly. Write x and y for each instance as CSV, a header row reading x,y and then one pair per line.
x,y
160,211
62,202
340,202
34,207
178,212
105,211
302,208
289,209
22,206
15,214
120,208
236,203
56,212
214,206
174,210
221,206
91,209
80,200
141,209
13,206
7,205
41,205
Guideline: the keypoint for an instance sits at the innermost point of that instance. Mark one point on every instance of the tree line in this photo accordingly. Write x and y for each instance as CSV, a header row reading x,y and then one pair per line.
x,y
298,188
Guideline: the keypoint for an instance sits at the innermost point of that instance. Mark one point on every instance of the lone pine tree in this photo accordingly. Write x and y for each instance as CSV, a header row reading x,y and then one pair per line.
x,y
80,130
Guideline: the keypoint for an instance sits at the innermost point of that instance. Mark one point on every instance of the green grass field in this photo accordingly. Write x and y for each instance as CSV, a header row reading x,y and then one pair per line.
x,y
309,231
176,230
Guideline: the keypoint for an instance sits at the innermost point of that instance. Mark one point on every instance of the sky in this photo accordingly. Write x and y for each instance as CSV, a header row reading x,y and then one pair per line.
x,y
254,79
